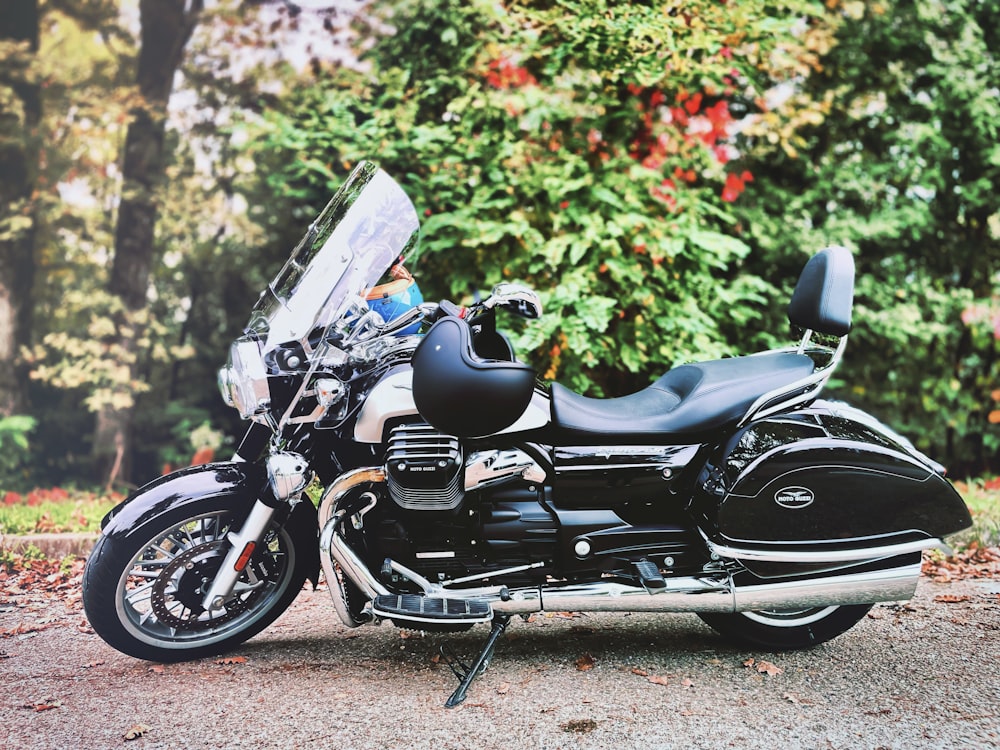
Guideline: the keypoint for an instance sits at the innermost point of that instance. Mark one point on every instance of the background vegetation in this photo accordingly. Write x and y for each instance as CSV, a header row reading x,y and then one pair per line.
x,y
658,170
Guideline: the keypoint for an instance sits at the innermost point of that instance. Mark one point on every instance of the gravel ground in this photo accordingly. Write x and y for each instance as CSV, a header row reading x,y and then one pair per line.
x,y
919,675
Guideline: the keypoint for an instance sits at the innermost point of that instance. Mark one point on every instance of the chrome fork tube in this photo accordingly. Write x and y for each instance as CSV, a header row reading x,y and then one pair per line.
x,y
225,580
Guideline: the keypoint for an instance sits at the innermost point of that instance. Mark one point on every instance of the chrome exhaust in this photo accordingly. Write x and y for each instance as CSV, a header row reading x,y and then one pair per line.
x,y
708,593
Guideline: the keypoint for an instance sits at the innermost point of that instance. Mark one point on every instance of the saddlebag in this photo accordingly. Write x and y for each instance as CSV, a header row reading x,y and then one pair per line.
x,y
825,478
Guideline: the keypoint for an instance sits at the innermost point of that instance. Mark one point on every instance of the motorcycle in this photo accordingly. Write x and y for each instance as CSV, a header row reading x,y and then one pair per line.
x,y
460,490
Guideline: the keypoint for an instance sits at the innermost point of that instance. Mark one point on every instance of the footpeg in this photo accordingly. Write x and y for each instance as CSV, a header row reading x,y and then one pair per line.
x,y
649,576
431,609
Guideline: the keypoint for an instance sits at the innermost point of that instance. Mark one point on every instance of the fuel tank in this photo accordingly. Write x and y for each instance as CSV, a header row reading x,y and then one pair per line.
x,y
826,477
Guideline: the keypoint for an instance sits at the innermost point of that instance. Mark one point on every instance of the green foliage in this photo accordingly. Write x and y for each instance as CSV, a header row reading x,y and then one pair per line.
x,y
896,157
53,511
14,449
582,147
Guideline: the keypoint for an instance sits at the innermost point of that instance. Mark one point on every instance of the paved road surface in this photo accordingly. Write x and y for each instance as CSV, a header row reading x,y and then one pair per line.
x,y
926,674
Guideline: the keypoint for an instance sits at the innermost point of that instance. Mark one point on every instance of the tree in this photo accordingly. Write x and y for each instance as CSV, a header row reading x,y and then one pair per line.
x,y
584,147
166,28
20,114
899,158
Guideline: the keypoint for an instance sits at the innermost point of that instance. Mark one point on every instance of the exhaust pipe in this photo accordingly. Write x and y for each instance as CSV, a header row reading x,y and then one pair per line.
x,y
721,594
709,593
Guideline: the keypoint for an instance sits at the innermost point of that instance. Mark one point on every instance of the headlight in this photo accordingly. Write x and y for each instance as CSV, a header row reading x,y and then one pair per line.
x,y
243,381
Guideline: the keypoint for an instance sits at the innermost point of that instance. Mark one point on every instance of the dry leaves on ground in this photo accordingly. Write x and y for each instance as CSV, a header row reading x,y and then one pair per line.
x,y
135,732
763,667
972,562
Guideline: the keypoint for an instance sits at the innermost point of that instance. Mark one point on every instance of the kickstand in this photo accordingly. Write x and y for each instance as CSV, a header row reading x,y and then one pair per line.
x,y
467,674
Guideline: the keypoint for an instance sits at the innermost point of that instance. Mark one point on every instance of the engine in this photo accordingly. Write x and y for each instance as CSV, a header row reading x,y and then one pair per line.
x,y
424,468
453,515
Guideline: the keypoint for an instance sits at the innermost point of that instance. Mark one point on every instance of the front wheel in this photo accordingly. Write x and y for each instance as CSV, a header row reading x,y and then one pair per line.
x,y
786,629
142,593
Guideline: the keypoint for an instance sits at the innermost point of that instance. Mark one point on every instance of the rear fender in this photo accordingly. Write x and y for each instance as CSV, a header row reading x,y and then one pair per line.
x,y
827,476
231,486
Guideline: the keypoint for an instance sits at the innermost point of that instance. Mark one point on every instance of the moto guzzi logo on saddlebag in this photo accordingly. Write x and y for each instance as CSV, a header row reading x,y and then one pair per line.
x,y
794,497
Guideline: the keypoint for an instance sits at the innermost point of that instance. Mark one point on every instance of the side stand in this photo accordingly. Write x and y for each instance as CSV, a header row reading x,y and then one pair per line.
x,y
467,674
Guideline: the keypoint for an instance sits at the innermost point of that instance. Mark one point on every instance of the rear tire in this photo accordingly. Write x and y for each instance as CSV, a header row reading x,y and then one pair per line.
x,y
142,592
785,630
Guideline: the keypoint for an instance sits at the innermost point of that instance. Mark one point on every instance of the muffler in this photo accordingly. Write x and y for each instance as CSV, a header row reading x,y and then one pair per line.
x,y
717,592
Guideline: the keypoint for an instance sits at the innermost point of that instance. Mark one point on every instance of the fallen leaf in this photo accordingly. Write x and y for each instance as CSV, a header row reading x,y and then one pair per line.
x,y
45,704
232,660
659,679
790,698
766,667
640,672
687,683
763,667
952,598
135,732
585,662
156,669
580,726
503,687
436,659
92,664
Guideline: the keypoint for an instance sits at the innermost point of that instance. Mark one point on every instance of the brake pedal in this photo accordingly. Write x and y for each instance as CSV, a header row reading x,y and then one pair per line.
x,y
649,576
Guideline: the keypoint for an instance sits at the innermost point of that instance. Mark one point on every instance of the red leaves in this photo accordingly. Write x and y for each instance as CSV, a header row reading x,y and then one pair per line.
x,y
585,663
735,184
504,74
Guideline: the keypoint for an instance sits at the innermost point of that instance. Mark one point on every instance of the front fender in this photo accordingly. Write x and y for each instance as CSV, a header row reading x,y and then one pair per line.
x,y
230,486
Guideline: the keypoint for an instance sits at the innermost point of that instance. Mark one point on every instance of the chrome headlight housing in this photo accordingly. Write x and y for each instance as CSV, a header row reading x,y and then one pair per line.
x,y
243,381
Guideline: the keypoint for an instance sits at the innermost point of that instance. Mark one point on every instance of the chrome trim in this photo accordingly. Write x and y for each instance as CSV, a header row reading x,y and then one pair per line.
x,y
334,549
487,468
607,458
689,594
801,391
824,556
345,483
889,585
287,474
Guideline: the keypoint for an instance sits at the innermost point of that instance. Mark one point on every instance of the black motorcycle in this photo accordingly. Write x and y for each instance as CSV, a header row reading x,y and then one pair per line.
x,y
460,490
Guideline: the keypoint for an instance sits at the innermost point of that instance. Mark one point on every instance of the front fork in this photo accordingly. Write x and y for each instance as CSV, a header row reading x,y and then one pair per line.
x,y
287,476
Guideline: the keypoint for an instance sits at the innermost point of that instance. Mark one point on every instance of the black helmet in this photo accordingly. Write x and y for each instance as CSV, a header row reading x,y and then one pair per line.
x,y
461,394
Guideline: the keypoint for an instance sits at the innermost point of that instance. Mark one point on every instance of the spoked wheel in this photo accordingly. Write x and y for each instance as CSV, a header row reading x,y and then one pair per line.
x,y
786,629
144,595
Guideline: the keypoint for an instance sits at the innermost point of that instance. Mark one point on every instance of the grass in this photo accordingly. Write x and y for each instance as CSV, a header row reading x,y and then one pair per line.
x,y
983,499
53,511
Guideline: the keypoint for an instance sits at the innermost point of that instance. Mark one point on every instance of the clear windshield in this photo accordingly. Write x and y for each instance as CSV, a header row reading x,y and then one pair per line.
x,y
366,226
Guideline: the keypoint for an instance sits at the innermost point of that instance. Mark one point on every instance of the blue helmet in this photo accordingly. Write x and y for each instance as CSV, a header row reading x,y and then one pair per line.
x,y
394,298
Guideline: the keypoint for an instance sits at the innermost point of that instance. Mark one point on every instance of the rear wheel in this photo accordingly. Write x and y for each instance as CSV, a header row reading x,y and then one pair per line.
x,y
786,629
143,593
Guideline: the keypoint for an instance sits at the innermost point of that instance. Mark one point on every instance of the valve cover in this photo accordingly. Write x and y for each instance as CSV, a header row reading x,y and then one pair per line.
x,y
424,468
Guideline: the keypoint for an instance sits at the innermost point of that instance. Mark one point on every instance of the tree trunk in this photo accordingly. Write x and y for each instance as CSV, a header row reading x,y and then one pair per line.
x,y
166,28
19,141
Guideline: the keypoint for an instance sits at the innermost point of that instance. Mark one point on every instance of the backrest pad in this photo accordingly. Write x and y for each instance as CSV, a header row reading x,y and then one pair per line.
x,y
824,295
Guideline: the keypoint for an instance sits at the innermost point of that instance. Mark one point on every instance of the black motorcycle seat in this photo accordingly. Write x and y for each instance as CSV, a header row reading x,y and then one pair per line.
x,y
688,400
